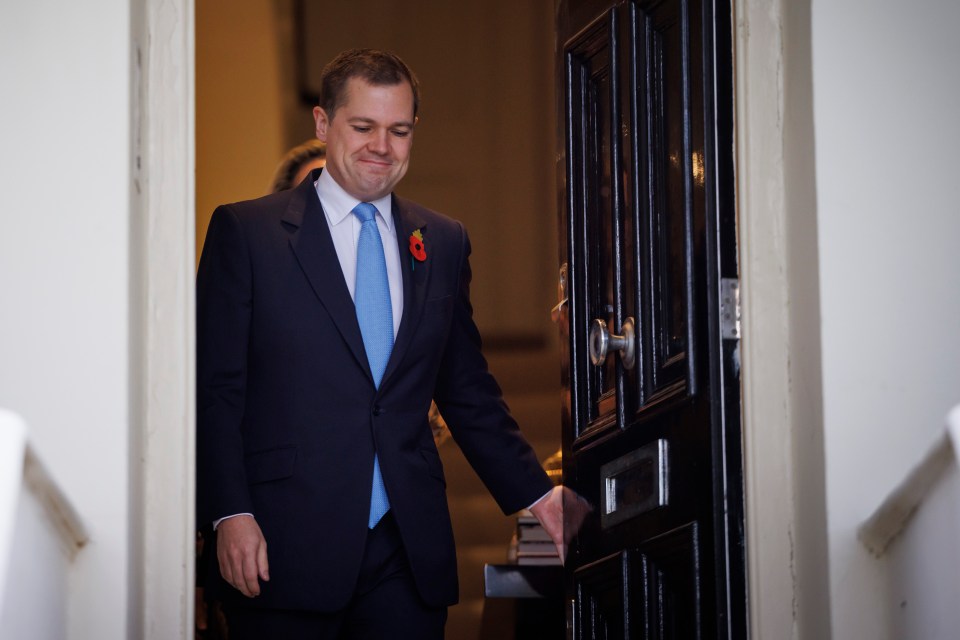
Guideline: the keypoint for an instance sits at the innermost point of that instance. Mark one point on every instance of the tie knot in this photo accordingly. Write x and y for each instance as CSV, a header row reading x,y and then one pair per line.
x,y
365,211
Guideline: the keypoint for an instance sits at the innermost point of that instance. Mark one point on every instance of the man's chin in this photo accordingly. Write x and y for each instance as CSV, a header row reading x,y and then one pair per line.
x,y
376,189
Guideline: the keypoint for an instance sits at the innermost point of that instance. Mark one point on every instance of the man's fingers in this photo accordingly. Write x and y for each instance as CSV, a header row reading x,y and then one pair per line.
x,y
262,561
549,512
575,510
242,552
251,573
562,513
232,570
226,569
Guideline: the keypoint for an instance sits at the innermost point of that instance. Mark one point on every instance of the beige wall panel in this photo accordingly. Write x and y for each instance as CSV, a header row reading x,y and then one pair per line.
x,y
484,146
240,129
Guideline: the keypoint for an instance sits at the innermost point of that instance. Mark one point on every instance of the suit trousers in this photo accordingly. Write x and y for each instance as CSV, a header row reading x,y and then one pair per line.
x,y
385,603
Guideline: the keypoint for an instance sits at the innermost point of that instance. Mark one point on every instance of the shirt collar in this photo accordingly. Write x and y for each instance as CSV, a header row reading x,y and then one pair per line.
x,y
338,204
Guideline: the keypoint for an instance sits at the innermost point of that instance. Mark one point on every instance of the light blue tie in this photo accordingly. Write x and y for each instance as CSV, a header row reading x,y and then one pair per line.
x,y
375,315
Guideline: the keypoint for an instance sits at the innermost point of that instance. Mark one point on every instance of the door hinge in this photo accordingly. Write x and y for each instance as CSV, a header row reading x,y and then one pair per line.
x,y
730,308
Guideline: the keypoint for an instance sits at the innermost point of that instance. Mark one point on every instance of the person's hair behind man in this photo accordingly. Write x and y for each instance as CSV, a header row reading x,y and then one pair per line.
x,y
378,68
290,172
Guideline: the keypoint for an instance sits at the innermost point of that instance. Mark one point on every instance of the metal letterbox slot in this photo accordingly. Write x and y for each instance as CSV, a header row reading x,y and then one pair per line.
x,y
634,483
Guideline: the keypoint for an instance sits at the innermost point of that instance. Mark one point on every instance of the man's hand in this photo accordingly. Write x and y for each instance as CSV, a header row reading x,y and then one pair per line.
x,y
242,553
561,512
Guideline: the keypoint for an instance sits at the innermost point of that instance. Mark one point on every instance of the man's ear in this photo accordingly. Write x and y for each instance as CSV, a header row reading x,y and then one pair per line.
x,y
320,117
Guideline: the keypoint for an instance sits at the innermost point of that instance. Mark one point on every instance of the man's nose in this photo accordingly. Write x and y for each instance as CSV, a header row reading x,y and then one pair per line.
x,y
378,142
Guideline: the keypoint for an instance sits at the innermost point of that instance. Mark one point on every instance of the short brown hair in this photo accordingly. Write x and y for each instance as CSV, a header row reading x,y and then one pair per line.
x,y
379,68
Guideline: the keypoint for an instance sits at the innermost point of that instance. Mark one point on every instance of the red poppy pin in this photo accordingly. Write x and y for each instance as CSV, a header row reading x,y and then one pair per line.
x,y
417,250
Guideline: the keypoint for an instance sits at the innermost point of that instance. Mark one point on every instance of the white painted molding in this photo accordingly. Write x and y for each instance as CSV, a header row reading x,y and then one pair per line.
x,y
165,173
787,560
768,472
65,519
897,510
19,467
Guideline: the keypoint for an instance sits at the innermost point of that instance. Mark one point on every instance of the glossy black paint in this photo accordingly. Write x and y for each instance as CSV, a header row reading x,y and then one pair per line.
x,y
648,229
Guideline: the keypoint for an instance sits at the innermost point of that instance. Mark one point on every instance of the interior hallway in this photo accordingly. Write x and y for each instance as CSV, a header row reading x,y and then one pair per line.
x,y
257,65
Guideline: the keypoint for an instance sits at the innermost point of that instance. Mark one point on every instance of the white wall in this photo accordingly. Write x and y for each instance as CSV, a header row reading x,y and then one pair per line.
x,y
65,326
923,599
886,102
37,575
885,105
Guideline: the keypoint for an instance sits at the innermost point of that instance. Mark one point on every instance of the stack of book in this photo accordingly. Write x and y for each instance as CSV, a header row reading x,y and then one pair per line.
x,y
531,543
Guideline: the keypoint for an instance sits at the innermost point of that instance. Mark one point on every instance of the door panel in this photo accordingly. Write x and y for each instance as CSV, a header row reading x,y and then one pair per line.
x,y
667,216
593,91
669,568
646,592
651,428
601,598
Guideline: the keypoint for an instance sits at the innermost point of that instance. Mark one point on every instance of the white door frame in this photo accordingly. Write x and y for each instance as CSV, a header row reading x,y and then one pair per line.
x,y
787,563
164,202
784,477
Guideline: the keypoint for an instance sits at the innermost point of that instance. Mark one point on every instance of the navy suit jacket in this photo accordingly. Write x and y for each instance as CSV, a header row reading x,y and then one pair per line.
x,y
288,417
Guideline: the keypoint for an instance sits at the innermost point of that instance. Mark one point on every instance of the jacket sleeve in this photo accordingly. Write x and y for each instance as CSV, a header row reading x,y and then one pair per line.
x,y
471,402
224,303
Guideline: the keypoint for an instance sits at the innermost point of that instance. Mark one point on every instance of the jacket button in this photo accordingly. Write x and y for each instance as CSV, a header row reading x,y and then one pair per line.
x,y
377,410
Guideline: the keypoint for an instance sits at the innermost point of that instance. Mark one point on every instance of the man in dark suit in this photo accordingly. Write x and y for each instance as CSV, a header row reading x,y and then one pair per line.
x,y
329,316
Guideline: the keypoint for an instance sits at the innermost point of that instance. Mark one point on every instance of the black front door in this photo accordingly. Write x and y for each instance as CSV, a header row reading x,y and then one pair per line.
x,y
648,241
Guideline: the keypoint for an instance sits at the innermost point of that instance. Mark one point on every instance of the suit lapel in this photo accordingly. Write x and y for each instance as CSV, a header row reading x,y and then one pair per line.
x,y
416,276
314,250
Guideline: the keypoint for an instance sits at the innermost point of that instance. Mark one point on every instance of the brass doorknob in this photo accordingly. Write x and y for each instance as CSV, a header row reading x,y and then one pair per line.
x,y
602,342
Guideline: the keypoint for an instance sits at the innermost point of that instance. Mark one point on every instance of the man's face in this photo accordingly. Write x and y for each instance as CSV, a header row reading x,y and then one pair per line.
x,y
369,138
